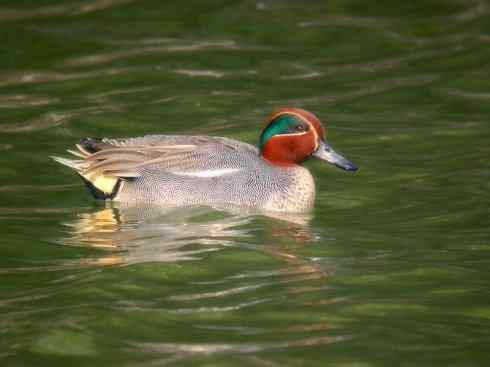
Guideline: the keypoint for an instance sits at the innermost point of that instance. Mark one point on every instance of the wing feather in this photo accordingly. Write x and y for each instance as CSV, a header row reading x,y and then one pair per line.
x,y
127,158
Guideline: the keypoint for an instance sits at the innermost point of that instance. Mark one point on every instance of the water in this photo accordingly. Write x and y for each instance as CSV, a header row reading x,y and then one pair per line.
x,y
390,270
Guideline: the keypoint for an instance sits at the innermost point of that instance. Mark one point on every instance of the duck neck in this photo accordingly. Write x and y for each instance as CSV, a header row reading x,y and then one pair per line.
x,y
285,151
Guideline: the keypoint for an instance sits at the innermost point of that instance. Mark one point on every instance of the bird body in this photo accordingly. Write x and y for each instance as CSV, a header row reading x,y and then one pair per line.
x,y
180,170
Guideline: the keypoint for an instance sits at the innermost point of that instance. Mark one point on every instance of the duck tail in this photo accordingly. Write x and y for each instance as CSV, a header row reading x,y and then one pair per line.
x,y
75,164
101,186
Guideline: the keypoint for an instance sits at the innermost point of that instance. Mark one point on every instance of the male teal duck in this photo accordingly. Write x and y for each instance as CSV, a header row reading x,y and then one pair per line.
x,y
178,170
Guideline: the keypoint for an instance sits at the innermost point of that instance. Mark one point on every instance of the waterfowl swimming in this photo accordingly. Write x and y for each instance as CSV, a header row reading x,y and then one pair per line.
x,y
177,170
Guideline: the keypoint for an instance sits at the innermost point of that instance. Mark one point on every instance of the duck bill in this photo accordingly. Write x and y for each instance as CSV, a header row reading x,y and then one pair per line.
x,y
326,153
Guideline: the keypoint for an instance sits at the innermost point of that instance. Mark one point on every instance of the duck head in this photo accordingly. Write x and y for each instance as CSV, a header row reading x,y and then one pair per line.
x,y
293,135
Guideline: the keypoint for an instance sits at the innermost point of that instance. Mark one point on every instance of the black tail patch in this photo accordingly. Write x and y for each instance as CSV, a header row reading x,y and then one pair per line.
x,y
91,145
98,194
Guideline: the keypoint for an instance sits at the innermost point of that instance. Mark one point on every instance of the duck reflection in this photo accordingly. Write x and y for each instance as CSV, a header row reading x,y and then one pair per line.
x,y
135,234
131,235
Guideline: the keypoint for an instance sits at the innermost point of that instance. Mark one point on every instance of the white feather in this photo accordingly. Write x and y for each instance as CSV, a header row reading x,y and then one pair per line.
x,y
77,165
208,172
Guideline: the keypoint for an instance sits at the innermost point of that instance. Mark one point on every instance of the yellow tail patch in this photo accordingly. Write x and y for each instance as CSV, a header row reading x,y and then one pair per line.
x,y
101,182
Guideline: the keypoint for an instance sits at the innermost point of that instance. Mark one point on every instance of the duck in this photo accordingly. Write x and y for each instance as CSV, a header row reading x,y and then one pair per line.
x,y
198,170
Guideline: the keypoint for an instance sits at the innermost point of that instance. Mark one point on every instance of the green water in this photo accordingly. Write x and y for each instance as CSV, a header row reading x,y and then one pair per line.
x,y
392,268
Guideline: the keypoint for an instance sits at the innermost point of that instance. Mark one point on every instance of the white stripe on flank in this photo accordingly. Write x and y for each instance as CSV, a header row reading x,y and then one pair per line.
x,y
208,173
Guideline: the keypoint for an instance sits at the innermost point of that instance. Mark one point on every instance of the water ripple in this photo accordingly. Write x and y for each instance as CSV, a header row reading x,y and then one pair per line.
x,y
103,58
223,293
374,88
479,9
470,95
12,14
241,348
53,119
218,309
40,77
41,188
24,100
201,73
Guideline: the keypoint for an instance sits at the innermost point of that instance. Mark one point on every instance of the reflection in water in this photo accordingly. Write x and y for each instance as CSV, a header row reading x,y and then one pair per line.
x,y
187,351
141,234
133,235
136,235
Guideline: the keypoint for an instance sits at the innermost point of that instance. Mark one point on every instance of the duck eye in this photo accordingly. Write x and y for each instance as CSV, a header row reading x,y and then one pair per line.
x,y
300,128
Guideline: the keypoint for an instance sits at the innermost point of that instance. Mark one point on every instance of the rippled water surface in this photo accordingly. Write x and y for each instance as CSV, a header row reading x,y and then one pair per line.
x,y
392,267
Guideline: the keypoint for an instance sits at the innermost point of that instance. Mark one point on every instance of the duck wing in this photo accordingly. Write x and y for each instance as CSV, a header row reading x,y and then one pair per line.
x,y
103,162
